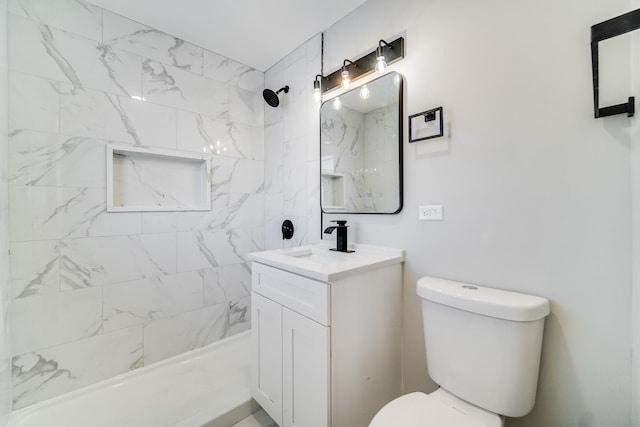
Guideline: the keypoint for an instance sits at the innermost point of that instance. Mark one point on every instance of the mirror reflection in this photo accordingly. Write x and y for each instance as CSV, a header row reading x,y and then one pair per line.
x,y
361,149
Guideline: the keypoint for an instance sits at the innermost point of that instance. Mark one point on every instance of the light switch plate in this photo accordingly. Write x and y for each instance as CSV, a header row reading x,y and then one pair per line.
x,y
430,212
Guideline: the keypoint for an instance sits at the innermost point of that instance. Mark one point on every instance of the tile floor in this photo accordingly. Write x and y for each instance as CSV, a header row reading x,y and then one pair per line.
x,y
257,419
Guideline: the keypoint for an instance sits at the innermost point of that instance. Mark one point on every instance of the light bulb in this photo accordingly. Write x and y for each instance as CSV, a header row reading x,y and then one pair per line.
x,y
364,92
337,104
381,65
317,94
346,81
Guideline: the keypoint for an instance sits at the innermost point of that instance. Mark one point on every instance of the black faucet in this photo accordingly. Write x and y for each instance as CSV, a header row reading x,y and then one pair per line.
x,y
341,241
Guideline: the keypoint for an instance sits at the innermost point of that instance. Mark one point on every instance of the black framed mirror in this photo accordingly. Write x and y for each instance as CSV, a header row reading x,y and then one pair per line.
x,y
361,149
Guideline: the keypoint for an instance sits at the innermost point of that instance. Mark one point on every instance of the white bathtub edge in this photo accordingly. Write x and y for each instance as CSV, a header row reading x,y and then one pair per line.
x,y
18,415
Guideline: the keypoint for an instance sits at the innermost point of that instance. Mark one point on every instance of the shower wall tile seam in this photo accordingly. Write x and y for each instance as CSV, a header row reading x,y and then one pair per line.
x,y
177,315
17,45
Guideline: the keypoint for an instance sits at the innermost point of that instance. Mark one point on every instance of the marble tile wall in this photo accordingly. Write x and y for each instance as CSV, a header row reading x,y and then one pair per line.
x,y
381,157
343,140
363,147
93,293
291,135
5,289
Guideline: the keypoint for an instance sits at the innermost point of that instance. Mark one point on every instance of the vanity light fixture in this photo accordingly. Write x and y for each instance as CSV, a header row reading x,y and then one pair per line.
x,y
381,64
346,80
377,60
317,93
364,92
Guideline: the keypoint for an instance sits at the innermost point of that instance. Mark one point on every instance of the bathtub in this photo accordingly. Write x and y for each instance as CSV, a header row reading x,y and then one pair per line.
x,y
204,387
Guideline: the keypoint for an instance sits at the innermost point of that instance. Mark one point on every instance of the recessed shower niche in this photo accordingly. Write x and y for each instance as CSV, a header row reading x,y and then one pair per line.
x,y
149,179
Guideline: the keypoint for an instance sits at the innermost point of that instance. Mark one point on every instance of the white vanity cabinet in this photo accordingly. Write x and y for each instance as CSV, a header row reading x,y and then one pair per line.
x,y
325,348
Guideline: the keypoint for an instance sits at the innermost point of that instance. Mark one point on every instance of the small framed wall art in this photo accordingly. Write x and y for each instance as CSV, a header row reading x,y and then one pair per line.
x,y
426,125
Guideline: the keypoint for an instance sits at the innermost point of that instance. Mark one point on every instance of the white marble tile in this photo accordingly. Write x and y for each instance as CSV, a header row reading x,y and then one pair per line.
x,y
167,222
242,138
143,301
246,210
44,213
96,114
168,337
49,372
257,242
100,261
35,268
314,55
295,178
240,315
201,133
247,177
313,130
274,154
38,158
273,233
241,240
65,57
46,320
273,206
170,183
295,110
150,43
222,175
233,73
75,16
34,103
174,87
313,203
206,249
227,283
246,107
257,143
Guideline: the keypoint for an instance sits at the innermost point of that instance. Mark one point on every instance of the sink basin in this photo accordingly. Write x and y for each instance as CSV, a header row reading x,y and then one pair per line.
x,y
322,256
320,263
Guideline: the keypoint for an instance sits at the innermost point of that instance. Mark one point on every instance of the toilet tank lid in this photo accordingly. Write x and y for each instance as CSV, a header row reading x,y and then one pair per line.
x,y
481,300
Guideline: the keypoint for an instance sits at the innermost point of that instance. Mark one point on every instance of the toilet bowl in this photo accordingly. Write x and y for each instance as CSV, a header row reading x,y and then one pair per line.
x,y
438,409
483,350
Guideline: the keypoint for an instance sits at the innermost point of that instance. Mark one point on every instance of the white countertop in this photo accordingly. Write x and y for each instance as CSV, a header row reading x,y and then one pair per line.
x,y
319,263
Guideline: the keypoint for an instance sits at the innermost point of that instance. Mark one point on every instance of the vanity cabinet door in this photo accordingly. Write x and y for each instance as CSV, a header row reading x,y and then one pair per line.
x,y
266,354
305,366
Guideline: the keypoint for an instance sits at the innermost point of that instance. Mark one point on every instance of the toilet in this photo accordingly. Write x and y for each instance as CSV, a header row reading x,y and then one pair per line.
x,y
483,350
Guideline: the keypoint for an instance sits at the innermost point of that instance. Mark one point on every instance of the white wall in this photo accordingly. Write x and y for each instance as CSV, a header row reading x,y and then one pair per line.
x,y
535,190
5,338
635,215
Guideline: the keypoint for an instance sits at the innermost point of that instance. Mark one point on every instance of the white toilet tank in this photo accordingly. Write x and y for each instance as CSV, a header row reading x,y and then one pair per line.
x,y
483,345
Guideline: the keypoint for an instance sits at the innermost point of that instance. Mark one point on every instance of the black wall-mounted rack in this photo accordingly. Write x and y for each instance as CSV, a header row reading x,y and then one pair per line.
x,y
603,31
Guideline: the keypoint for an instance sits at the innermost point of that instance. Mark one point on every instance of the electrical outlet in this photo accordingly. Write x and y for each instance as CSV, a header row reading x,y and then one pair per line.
x,y
430,212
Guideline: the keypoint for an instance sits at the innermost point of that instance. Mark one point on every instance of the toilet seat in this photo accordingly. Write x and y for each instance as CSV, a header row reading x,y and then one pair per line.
x,y
438,409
